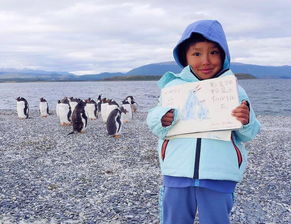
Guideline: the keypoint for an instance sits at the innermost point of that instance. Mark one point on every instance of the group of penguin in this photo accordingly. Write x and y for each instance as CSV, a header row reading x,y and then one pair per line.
x,y
76,112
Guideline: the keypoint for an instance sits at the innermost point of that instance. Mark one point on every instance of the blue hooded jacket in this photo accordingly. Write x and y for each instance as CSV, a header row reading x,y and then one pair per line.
x,y
201,158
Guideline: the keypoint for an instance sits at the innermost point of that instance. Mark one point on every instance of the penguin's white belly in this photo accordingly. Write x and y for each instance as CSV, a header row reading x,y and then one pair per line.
x,y
84,124
63,113
43,109
109,109
20,109
90,110
128,115
104,111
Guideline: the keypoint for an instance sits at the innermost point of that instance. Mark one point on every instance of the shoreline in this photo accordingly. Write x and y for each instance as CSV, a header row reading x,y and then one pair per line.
x,y
50,177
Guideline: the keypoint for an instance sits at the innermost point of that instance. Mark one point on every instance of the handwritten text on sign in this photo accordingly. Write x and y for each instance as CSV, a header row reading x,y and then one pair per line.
x,y
203,106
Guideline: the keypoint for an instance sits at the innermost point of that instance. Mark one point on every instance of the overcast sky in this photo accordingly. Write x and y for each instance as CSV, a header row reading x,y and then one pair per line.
x,y
94,36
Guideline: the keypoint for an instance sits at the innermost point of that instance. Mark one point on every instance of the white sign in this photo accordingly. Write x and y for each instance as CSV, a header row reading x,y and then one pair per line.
x,y
203,106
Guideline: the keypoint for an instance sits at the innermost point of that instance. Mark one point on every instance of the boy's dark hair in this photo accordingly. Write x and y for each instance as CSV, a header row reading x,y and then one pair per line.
x,y
195,38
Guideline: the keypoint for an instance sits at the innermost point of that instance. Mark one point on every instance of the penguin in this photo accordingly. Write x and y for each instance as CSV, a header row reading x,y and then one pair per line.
x,y
43,107
79,118
91,109
131,100
64,111
114,122
99,101
22,108
127,107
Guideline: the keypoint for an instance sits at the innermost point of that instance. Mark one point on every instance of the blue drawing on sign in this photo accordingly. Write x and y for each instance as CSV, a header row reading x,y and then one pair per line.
x,y
194,108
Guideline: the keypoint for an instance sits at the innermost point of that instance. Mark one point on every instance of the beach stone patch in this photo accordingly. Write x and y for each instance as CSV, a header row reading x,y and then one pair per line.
x,y
48,176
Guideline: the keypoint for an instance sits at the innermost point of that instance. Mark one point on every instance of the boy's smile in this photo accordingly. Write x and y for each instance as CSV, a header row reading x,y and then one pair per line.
x,y
205,59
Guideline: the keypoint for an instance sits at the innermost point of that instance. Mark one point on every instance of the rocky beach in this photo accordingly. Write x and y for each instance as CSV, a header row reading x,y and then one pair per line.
x,y
48,176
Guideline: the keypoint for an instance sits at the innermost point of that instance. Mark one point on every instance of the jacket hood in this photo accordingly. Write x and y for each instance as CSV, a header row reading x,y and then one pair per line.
x,y
211,30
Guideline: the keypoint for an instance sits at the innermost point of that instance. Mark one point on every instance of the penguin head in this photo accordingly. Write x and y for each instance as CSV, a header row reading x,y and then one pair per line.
x,y
81,104
125,101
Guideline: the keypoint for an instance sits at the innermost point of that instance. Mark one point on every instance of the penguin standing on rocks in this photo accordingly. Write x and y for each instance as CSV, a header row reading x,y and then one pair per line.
x,y
64,111
22,108
114,122
91,109
79,118
99,102
131,100
43,107
127,107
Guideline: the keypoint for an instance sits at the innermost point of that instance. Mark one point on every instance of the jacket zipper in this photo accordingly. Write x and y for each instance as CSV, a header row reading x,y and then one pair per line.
x,y
164,147
238,153
197,158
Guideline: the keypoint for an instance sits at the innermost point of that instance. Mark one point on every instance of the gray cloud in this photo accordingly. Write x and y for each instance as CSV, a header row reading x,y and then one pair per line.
x,y
96,36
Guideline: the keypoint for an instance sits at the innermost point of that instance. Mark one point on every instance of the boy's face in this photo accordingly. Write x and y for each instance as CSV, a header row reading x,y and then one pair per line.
x,y
205,59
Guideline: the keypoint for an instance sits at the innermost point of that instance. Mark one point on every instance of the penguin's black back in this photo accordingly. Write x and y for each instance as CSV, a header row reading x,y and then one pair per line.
x,y
78,114
113,117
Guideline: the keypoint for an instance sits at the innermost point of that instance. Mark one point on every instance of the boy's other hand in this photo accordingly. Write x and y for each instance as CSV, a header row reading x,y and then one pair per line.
x,y
242,113
168,118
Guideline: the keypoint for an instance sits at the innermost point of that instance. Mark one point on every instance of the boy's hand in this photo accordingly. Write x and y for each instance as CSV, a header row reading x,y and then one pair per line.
x,y
168,118
242,113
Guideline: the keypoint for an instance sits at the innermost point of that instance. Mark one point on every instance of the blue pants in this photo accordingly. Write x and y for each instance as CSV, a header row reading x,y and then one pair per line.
x,y
179,205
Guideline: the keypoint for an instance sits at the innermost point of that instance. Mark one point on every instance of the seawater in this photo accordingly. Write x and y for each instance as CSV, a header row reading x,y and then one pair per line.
x,y
268,96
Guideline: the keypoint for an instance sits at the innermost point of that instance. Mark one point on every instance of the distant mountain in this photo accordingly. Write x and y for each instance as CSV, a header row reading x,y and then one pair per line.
x,y
262,72
26,75
155,69
258,71
145,72
96,77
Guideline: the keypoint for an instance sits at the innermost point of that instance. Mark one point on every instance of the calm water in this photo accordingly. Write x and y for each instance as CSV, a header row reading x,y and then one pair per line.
x,y
268,96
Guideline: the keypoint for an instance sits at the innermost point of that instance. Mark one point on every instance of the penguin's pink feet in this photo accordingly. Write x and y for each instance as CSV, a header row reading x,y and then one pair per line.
x,y
117,136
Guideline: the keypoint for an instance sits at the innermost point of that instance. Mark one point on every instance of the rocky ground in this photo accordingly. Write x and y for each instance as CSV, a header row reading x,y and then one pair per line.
x,y
49,177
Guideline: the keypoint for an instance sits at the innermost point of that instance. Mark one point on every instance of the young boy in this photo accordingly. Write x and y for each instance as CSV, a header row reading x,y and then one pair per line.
x,y
200,173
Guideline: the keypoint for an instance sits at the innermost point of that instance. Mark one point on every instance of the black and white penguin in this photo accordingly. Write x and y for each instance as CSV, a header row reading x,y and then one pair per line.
x,y
99,102
131,100
43,107
79,118
127,107
114,122
64,112
91,109
22,108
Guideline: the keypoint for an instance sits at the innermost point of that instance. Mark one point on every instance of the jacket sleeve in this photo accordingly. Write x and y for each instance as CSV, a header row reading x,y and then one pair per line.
x,y
154,120
249,131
